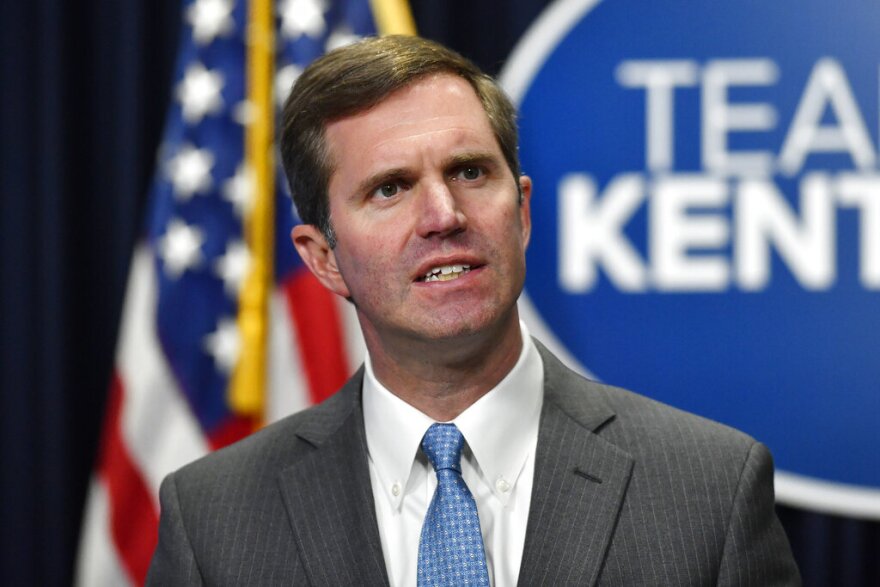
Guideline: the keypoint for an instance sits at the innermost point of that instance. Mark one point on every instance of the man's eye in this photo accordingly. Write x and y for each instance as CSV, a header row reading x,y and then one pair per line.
x,y
387,190
469,173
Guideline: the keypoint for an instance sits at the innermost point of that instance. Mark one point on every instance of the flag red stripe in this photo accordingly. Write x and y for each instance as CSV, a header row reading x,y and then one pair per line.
x,y
319,333
233,429
134,523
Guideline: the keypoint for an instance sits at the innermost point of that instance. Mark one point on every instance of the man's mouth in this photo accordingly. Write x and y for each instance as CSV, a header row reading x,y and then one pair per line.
x,y
445,273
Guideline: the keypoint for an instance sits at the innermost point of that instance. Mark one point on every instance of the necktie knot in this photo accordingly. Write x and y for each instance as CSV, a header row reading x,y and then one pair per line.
x,y
442,444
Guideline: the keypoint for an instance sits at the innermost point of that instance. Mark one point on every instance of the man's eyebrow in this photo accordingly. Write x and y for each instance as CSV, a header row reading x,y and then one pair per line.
x,y
472,157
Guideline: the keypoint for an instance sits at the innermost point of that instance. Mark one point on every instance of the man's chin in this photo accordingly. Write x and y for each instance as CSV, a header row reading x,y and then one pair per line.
x,y
472,327
462,325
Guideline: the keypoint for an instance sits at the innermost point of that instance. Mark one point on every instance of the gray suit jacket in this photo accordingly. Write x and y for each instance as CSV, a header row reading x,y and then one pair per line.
x,y
627,491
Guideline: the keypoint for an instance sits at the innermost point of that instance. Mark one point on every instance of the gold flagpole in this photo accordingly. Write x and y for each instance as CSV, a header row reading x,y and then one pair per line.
x,y
248,386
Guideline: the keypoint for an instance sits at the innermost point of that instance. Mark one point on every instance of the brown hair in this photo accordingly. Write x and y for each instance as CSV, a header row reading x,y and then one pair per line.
x,y
352,79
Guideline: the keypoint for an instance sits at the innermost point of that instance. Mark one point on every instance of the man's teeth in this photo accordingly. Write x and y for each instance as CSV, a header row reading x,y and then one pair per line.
x,y
446,272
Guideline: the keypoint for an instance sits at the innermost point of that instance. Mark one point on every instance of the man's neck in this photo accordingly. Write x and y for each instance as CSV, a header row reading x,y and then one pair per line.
x,y
442,379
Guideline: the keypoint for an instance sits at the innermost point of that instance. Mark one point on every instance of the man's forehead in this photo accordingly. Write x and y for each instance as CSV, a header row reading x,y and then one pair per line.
x,y
440,106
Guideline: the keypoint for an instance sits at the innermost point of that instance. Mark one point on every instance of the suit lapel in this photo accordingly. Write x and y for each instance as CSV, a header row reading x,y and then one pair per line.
x,y
580,481
329,498
579,485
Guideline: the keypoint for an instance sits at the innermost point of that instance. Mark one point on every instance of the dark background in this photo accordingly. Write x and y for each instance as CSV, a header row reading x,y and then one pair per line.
x,y
83,91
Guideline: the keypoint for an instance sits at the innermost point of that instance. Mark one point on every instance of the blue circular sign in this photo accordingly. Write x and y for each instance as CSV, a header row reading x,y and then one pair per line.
x,y
706,217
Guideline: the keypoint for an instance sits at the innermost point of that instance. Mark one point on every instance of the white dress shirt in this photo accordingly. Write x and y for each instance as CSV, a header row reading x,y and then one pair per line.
x,y
498,464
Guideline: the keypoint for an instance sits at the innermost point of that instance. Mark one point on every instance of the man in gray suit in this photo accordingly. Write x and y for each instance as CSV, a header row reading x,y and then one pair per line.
x,y
402,158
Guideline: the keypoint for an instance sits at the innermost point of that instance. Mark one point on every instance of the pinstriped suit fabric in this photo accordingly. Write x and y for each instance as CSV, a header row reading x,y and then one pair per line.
x,y
241,517
696,509
626,492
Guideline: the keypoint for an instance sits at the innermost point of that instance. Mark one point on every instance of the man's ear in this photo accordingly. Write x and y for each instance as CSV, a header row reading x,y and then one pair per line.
x,y
525,212
312,246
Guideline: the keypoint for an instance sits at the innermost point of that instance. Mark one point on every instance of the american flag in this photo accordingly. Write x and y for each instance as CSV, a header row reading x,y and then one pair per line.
x,y
223,327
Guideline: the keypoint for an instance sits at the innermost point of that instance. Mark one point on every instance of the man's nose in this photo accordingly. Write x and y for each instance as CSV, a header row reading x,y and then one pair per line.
x,y
440,213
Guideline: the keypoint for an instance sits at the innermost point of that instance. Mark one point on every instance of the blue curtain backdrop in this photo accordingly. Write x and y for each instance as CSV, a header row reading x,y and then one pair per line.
x,y
83,91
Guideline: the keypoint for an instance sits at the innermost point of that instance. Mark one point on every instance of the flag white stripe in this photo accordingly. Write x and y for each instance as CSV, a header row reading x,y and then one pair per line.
x,y
288,390
98,562
158,426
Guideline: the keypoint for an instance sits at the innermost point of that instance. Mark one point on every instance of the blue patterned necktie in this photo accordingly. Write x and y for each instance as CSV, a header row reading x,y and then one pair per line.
x,y
451,546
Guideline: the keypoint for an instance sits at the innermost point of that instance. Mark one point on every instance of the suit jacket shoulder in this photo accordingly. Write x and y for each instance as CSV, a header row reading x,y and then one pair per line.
x,y
281,443
654,495
289,505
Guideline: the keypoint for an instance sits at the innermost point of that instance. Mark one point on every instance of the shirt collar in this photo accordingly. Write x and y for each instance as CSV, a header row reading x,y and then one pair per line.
x,y
501,428
394,431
